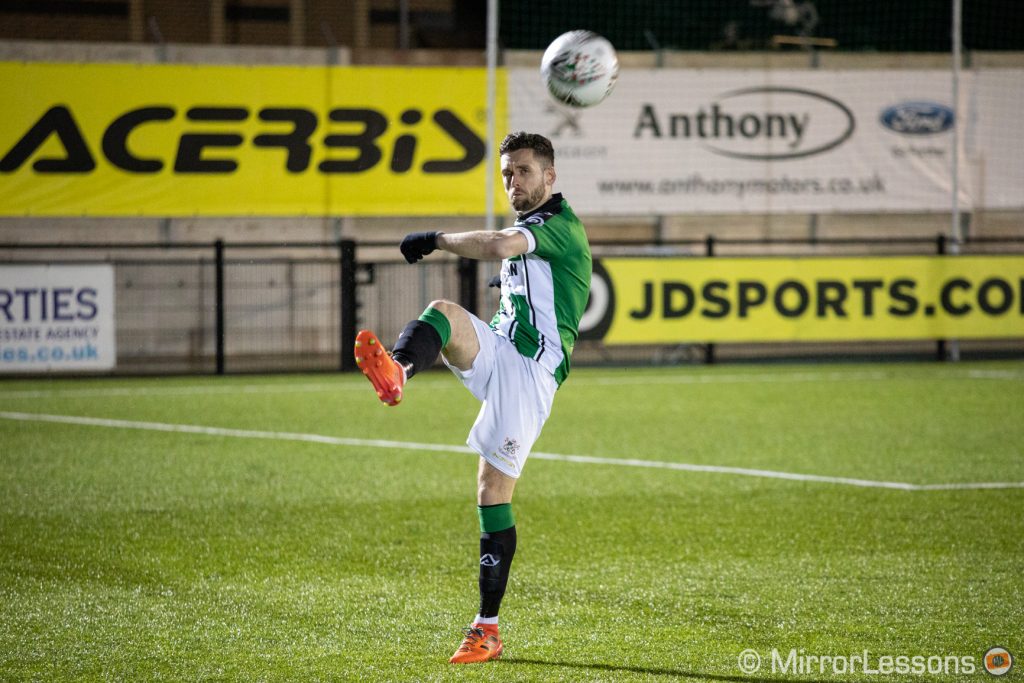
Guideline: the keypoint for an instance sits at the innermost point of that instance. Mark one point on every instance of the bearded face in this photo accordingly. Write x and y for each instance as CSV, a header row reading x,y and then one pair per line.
x,y
527,184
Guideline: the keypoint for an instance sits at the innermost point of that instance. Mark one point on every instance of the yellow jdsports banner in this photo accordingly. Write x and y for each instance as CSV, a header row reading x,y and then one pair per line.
x,y
174,140
663,301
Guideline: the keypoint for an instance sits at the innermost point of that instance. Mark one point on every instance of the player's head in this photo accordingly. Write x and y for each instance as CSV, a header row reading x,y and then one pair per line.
x,y
527,170
541,146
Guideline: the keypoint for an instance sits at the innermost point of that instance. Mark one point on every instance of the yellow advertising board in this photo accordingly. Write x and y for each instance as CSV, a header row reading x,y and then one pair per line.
x,y
182,140
665,301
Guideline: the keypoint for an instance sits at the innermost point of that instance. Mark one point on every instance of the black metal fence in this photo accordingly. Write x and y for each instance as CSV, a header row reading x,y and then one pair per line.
x,y
258,307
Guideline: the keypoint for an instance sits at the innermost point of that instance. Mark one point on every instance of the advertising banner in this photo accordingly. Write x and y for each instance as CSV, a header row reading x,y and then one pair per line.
x,y
671,141
175,140
668,301
214,140
57,318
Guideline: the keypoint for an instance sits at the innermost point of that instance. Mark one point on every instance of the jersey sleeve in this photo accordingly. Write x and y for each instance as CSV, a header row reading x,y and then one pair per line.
x,y
553,238
530,239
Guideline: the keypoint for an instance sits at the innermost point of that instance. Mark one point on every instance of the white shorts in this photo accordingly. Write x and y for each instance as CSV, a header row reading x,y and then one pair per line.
x,y
516,392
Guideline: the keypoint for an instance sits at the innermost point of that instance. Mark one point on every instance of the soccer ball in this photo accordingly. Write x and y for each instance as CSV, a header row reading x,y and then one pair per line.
x,y
579,68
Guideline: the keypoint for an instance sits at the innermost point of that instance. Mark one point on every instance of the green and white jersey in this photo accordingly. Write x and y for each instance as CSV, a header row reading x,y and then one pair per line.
x,y
544,291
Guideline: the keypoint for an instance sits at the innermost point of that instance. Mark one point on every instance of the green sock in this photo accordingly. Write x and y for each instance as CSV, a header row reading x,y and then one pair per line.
x,y
439,322
495,517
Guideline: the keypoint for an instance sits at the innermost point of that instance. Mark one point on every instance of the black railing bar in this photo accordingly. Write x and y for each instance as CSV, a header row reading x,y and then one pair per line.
x,y
993,240
599,243
202,261
176,245
107,245
333,244
759,241
824,240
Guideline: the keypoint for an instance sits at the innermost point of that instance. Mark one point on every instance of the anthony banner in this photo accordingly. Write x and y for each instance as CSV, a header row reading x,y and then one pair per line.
x,y
777,141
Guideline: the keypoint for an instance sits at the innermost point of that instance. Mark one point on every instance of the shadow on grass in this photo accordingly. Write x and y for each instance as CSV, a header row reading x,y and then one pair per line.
x,y
652,671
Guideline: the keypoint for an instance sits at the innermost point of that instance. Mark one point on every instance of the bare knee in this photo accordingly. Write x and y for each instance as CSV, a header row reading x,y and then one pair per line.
x,y
445,307
462,346
493,486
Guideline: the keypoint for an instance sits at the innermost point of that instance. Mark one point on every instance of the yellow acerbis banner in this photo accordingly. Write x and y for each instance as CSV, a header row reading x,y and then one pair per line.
x,y
172,140
813,299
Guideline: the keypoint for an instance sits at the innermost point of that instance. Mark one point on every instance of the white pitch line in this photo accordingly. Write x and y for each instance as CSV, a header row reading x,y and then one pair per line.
x,y
194,390
444,448
995,374
224,431
718,469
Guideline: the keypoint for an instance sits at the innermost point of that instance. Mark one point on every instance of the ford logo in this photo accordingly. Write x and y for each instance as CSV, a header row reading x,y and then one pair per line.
x,y
918,118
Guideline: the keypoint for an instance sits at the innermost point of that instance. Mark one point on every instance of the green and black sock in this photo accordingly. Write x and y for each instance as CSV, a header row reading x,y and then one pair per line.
x,y
421,340
497,547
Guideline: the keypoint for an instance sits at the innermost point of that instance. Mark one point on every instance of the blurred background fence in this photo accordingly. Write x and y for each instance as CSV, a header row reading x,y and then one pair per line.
x,y
263,307
280,294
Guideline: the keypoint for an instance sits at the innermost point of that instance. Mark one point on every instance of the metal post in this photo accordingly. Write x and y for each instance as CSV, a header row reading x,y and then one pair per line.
x,y
158,36
957,40
468,271
403,25
348,303
709,251
492,96
218,269
940,346
952,352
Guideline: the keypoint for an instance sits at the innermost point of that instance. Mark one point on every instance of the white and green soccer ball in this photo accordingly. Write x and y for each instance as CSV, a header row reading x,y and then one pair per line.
x,y
580,68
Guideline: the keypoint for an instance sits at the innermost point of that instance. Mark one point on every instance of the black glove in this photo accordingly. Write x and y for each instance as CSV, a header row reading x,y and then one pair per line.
x,y
418,244
494,281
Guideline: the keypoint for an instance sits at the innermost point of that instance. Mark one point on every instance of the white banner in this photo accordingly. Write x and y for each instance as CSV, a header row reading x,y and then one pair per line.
x,y
57,318
726,141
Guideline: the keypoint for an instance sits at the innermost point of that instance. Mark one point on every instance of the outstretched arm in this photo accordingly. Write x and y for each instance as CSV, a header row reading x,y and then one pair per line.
x,y
484,244
478,244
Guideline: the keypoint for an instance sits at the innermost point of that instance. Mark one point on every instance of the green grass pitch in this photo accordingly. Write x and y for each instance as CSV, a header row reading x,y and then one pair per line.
x,y
138,554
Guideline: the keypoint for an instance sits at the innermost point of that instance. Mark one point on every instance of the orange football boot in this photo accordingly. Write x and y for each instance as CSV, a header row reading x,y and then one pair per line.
x,y
386,376
481,644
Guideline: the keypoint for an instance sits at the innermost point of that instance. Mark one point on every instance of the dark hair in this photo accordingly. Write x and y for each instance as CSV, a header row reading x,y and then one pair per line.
x,y
540,145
